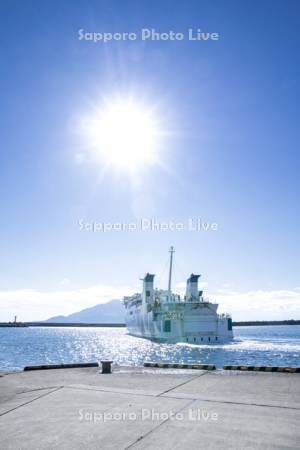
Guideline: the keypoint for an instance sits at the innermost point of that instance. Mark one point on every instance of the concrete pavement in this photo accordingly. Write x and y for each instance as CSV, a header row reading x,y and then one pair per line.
x,y
140,408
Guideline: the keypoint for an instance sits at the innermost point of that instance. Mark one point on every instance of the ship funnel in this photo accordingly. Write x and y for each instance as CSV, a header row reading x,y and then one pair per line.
x,y
148,287
192,292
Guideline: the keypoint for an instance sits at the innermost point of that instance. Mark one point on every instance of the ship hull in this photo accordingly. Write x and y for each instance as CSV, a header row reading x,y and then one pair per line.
x,y
183,340
180,323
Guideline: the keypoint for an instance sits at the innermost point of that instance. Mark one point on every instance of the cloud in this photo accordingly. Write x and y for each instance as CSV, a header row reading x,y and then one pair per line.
x,y
31,304
65,282
253,305
260,304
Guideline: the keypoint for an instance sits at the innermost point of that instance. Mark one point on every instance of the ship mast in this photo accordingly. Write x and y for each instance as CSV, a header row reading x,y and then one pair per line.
x,y
170,270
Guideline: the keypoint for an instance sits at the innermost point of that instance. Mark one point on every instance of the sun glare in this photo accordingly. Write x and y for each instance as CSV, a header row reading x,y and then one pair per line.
x,y
124,135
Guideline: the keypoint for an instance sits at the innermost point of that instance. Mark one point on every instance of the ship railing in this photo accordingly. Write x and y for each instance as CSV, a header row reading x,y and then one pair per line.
x,y
224,316
132,300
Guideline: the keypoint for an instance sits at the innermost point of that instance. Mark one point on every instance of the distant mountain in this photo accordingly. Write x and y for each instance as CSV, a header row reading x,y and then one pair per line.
x,y
110,312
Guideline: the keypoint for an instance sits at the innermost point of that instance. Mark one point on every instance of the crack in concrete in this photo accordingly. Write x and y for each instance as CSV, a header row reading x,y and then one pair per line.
x,y
96,389
182,384
159,425
178,397
236,403
39,389
30,401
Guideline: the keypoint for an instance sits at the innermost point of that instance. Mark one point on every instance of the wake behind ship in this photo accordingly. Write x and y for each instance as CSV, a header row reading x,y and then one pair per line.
x,y
162,316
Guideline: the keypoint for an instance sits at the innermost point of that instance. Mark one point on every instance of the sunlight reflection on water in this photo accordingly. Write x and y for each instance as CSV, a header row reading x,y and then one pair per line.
x,y
270,345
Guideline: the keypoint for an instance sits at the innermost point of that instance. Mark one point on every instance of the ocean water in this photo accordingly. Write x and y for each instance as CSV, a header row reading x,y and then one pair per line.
x,y
257,345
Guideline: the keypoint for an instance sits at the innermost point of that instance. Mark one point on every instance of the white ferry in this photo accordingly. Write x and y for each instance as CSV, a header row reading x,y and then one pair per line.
x,y
162,316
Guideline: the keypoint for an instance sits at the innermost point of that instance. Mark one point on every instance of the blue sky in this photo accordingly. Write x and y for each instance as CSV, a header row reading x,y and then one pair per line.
x,y
230,154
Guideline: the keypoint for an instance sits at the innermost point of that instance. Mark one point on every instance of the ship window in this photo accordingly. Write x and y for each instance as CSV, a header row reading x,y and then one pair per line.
x,y
216,338
194,339
167,326
209,339
147,293
187,339
201,339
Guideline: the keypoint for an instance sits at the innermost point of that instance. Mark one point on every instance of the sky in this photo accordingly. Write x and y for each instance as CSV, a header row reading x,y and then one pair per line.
x,y
227,153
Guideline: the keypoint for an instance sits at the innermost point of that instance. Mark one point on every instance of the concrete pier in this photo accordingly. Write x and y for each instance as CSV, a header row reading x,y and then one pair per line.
x,y
145,408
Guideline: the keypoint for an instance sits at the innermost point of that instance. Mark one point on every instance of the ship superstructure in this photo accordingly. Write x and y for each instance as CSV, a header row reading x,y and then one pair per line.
x,y
162,316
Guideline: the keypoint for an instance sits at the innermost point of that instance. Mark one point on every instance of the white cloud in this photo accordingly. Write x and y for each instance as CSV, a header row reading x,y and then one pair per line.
x,y
260,304
30,304
65,282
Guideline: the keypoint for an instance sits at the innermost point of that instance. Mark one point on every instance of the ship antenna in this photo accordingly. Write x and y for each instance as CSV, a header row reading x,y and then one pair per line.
x,y
170,270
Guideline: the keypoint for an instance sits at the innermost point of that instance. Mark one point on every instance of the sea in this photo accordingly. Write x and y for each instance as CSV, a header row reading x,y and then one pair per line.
x,y
253,345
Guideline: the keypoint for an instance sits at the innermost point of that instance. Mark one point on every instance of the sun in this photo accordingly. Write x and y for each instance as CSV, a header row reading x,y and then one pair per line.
x,y
124,134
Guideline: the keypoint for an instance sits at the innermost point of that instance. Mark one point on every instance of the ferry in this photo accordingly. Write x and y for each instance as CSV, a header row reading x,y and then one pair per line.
x,y
162,316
